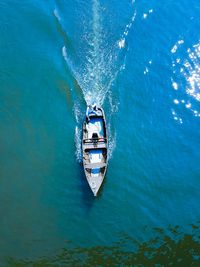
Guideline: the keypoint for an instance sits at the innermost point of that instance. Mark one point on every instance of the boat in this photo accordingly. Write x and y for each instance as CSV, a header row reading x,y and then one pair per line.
x,y
95,147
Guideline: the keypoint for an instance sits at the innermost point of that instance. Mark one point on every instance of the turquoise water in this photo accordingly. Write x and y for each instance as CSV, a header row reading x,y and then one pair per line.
x,y
141,61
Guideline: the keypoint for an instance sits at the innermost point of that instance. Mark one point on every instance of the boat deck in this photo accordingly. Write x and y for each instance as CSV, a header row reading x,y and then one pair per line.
x,y
94,145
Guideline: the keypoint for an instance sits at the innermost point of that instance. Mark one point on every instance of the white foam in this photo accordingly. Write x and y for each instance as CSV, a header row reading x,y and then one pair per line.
x,y
78,131
146,70
173,112
188,105
176,46
100,65
176,101
111,141
175,85
56,14
121,43
64,52
180,42
180,120
144,16
77,139
103,60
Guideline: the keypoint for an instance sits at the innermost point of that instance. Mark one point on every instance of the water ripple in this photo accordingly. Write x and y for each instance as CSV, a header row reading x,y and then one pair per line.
x,y
186,78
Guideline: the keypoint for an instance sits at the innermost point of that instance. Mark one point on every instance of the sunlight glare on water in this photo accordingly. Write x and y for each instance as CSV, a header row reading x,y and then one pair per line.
x,y
189,70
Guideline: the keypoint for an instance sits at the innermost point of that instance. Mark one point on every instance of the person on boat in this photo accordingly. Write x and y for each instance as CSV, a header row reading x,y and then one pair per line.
x,y
94,107
88,111
91,109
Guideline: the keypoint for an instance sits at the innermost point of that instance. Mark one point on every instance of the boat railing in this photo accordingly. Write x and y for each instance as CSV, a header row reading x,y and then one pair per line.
x,y
92,140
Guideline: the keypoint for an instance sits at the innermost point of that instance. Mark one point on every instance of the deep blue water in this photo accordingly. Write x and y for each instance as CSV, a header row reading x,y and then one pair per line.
x,y
140,60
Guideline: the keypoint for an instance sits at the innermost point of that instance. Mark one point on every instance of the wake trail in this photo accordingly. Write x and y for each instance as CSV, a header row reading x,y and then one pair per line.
x,y
102,62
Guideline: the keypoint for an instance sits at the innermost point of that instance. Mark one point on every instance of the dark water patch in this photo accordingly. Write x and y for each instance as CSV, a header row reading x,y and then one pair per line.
x,y
87,196
64,88
168,248
78,90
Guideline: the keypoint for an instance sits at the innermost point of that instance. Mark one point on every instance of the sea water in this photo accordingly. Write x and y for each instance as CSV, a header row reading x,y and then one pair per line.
x,y
139,60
